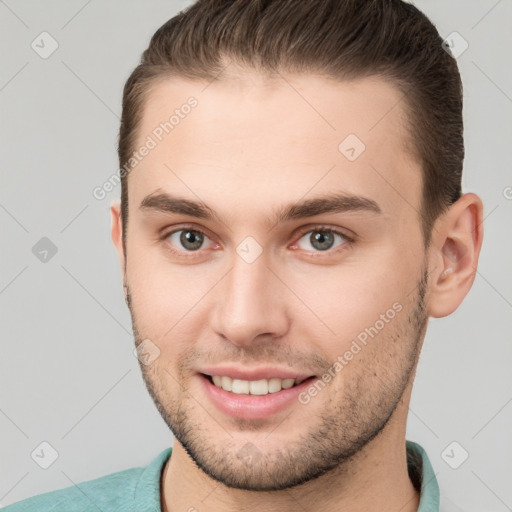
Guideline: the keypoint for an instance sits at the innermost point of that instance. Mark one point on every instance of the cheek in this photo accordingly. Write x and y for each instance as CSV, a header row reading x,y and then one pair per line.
x,y
368,341
350,302
167,299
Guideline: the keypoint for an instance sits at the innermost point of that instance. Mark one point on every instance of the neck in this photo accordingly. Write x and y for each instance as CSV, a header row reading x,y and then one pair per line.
x,y
376,478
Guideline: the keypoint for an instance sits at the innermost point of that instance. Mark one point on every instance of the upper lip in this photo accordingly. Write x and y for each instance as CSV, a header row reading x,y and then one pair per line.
x,y
254,373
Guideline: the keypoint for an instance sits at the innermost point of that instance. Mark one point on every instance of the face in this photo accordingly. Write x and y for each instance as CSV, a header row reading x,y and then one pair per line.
x,y
300,264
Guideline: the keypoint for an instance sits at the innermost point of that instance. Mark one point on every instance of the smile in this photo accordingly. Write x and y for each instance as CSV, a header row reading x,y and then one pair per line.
x,y
253,399
253,387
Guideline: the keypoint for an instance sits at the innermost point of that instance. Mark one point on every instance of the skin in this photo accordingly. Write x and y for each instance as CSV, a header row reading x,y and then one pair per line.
x,y
253,144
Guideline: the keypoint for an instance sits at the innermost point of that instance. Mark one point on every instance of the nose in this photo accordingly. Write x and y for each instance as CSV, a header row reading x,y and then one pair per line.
x,y
250,303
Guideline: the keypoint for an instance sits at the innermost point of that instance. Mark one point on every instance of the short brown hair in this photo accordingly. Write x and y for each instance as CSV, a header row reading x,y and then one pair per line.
x,y
341,39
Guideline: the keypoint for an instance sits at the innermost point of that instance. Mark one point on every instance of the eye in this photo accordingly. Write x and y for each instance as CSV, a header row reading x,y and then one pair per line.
x,y
322,239
187,238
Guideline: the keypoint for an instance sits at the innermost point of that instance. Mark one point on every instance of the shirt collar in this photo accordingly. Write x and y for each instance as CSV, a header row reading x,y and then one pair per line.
x,y
422,475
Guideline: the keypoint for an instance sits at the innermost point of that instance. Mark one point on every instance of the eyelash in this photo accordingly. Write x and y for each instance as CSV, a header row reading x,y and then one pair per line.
x,y
349,240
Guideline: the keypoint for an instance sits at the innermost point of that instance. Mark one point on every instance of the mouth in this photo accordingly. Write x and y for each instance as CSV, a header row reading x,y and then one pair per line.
x,y
253,399
258,387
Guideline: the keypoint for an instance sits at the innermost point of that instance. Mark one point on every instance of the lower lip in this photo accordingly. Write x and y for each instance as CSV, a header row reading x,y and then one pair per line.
x,y
253,407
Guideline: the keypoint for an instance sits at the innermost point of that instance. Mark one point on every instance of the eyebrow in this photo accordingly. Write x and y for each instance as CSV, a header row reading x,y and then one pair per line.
x,y
331,203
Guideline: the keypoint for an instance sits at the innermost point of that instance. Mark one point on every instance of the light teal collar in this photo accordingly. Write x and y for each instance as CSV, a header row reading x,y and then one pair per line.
x,y
421,470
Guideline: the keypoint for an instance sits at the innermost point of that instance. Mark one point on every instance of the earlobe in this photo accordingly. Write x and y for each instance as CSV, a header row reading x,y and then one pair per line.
x,y
454,255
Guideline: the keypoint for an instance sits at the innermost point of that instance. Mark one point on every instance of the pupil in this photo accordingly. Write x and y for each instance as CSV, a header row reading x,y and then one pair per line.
x,y
191,240
322,240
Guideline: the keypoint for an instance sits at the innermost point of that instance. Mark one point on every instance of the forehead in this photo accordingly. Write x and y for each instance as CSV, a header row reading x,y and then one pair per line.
x,y
253,140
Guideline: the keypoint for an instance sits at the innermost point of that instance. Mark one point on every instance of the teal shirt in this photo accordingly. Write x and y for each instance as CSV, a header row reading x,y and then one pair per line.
x,y
138,489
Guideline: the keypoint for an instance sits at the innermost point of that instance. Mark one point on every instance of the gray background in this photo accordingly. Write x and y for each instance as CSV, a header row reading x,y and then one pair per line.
x,y
68,374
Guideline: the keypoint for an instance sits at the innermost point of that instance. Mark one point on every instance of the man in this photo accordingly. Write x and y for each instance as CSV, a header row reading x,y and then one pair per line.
x,y
291,215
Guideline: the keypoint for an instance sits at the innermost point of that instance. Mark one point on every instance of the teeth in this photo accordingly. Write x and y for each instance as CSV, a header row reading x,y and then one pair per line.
x,y
274,385
240,387
287,383
226,383
258,387
254,387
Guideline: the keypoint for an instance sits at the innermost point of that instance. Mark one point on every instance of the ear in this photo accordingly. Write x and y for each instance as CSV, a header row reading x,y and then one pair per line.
x,y
455,248
117,233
